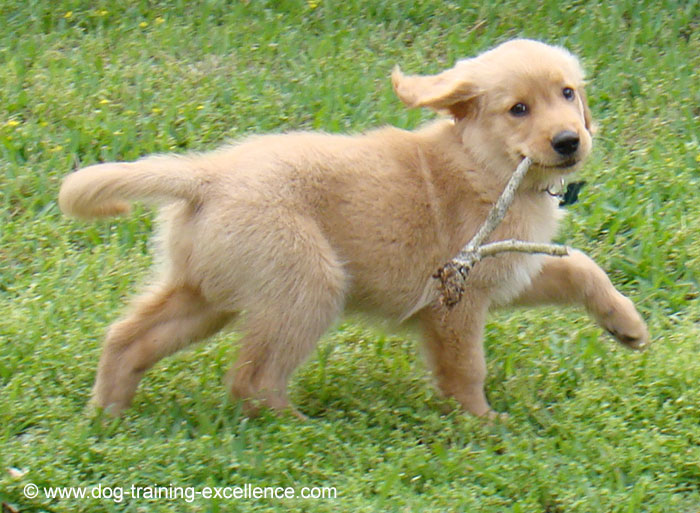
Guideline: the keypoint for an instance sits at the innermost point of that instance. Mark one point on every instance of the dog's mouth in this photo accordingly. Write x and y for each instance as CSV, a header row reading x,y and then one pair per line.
x,y
560,166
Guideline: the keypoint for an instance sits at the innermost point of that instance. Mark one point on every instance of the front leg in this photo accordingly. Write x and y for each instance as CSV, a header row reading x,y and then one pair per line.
x,y
454,342
576,279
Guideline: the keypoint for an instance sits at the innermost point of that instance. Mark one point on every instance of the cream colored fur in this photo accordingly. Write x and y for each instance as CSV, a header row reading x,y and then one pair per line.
x,y
286,231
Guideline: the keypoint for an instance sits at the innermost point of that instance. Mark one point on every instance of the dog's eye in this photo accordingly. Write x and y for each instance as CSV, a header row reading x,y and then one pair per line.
x,y
519,109
568,93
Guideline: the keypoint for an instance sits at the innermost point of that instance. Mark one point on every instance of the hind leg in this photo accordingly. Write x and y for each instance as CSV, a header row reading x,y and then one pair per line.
x,y
285,318
160,323
273,347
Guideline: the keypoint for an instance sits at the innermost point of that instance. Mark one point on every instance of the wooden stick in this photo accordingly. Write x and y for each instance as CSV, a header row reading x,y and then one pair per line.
x,y
453,275
498,211
520,246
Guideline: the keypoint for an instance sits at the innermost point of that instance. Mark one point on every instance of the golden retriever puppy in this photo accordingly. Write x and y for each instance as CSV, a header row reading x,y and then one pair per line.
x,y
286,231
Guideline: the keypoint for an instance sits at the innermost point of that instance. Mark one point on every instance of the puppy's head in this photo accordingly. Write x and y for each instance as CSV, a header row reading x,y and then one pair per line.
x,y
523,98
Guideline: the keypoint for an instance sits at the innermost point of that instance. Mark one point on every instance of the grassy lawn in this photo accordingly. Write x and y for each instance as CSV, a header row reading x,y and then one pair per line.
x,y
592,427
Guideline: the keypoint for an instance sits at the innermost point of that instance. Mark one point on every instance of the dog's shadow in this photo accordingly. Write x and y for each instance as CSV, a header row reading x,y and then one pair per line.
x,y
367,377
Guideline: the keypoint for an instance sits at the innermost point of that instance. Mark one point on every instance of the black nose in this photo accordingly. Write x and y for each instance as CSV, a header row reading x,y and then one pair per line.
x,y
565,143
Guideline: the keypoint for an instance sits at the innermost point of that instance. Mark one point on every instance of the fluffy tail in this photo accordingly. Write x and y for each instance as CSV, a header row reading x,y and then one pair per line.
x,y
105,189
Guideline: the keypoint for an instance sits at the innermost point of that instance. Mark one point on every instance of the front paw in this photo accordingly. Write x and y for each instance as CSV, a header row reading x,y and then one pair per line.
x,y
624,323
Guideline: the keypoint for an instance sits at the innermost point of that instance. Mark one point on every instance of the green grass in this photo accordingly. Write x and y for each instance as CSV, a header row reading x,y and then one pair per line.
x,y
592,427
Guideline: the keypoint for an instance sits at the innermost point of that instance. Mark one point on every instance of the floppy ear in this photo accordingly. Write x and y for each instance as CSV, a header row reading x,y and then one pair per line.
x,y
451,90
587,118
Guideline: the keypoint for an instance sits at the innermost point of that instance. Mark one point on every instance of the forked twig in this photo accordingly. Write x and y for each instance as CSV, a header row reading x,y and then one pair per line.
x,y
452,276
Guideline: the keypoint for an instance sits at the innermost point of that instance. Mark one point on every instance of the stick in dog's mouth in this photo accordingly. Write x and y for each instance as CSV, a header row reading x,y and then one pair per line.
x,y
452,276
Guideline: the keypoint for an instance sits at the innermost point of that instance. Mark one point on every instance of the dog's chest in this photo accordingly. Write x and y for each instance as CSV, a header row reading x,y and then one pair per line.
x,y
516,273
531,219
